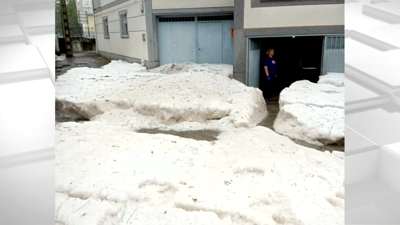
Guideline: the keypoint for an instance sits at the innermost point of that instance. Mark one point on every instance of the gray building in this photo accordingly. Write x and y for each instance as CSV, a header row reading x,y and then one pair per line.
x,y
307,35
86,17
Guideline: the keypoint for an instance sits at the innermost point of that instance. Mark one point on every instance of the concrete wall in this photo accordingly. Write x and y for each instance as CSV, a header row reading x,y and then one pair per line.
x,y
184,4
132,47
292,15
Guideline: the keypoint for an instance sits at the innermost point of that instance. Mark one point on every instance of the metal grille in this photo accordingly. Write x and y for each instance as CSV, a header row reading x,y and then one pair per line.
x,y
176,19
335,43
333,60
214,18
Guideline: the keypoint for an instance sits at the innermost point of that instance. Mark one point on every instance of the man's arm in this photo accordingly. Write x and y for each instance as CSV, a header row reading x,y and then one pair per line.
x,y
266,70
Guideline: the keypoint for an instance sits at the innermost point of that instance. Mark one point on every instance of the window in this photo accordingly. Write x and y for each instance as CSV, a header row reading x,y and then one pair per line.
x,y
106,31
123,21
87,3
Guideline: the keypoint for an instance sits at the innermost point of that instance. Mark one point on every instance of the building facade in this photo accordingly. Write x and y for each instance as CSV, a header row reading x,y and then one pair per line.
x,y
85,14
158,32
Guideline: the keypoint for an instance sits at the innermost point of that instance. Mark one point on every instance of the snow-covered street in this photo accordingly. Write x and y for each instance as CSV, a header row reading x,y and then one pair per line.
x,y
107,172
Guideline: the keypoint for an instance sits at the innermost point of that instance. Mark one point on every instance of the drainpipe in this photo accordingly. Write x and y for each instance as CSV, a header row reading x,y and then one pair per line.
x,y
95,37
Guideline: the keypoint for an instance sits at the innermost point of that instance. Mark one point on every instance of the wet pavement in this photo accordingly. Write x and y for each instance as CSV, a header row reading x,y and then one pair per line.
x,y
80,59
273,110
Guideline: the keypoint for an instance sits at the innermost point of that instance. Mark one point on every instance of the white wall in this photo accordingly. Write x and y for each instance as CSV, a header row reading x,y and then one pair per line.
x,y
183,4
293,16
133,46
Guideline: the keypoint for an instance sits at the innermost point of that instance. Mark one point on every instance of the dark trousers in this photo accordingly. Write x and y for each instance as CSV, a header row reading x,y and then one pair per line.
x,y
269,86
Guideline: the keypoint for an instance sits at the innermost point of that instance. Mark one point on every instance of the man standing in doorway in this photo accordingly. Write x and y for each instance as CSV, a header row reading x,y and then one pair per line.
x,y
270,72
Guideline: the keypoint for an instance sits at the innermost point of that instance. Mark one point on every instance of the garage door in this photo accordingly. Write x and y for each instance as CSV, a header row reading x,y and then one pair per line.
x,y
210,42
203,39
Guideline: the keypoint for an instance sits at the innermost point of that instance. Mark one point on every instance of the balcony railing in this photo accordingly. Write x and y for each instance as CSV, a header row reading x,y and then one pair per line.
x,y
88,32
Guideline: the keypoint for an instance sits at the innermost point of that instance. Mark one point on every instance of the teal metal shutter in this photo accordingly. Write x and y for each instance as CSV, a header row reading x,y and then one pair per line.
x,y
210,42
227,48
333,56
202,39
177,40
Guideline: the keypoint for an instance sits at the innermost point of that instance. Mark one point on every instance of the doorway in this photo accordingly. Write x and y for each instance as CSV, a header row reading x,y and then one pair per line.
x,y
298,58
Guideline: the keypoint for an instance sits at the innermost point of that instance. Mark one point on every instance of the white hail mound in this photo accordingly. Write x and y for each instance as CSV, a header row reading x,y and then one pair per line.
x,y
197,93
336,79
107,173
311,112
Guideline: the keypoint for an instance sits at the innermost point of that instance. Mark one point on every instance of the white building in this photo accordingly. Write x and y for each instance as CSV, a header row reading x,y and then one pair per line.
x,y
85,13
237,32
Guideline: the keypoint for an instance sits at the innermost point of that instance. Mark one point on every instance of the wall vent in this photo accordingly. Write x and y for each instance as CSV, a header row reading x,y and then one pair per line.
x,y
176,19
214,18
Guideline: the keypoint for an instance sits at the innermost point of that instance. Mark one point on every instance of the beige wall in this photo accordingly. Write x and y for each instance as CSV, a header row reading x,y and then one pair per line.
x,y
182,4
133,46
293,16
91,22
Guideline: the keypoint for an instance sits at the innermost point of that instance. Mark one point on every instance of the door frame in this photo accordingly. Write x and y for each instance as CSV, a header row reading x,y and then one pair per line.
x,y
277,36
248,62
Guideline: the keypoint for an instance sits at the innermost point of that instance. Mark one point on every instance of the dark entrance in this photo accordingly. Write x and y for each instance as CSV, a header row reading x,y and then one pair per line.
x,y
298,58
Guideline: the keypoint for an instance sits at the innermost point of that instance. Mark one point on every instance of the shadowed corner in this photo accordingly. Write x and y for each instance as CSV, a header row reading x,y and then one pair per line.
x,y
27,158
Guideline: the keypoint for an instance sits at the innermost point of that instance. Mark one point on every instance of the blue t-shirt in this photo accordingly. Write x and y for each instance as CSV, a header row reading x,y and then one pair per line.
x,y
270,62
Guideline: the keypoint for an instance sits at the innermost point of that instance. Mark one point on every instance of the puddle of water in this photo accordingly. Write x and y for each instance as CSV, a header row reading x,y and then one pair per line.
x,y
200,135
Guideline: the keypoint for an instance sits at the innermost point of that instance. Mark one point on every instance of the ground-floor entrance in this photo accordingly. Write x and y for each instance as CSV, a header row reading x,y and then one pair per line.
x,y
297,58
200,39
